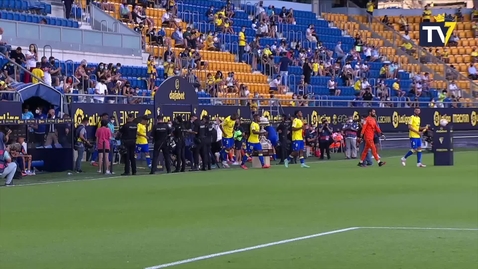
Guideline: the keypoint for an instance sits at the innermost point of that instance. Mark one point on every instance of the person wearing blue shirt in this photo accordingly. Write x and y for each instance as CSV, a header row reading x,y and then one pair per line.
x,y
28,115
113,143
40,129
284,64
273,137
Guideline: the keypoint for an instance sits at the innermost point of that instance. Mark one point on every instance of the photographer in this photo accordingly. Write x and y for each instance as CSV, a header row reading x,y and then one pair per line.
x,y
325,138
128,133
161,133
180,149
81,143
350,130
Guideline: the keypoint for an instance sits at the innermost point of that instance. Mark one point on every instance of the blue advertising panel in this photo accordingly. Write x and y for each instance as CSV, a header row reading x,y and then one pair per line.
x,y
10,111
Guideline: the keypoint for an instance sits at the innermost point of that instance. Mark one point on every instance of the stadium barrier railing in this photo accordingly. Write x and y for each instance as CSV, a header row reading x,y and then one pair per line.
x,y
233,100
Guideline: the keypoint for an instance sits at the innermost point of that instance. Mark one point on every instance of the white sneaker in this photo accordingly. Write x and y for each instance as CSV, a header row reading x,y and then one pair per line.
x,y
235,163
99,171
108,172
421,165
224,163
404,161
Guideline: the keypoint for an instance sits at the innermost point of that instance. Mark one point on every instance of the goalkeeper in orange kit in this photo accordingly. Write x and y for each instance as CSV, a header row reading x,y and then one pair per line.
x,y
369,129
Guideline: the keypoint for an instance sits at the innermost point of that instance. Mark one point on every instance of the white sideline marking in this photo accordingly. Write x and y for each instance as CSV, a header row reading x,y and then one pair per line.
x,y
103,178
200,258
422,228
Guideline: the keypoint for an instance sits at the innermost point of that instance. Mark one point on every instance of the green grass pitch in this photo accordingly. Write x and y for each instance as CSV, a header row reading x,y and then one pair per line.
x,y
144,221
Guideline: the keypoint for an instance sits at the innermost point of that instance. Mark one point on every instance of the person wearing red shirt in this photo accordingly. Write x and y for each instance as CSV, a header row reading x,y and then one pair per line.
x,y
369,129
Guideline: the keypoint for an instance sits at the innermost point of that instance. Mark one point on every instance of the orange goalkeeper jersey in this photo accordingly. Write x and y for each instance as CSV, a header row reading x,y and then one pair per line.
x,y
370,128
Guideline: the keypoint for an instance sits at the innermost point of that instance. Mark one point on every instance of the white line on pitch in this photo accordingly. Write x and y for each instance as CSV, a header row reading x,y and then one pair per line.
x,y
422,228
215,255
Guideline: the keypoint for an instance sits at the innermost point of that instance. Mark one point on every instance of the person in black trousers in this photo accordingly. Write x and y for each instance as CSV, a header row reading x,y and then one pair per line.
x,y
283,130
180,149
208,139
68,4
325,138
128,138
199,131
161,133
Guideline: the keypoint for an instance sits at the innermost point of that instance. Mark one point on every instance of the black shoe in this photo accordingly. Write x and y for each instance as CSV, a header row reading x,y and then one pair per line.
x,y
381,164
182,170
134,174
125,174
176,171
362,164
152,173
79,171
9,185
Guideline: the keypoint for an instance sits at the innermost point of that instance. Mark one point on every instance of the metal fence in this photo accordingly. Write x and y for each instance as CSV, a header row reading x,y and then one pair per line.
x,y
233,99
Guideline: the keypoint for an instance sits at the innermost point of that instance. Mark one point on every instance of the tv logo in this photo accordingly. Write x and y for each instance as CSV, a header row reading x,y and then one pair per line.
x,y
435,34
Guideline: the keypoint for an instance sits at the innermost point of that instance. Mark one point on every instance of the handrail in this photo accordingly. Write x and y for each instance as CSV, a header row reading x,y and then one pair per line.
x,y
21,67
47,47
264,102
421,52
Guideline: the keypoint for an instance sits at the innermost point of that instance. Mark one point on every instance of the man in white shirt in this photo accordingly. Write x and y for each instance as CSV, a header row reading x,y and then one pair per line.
x,y
100,89
453,89
275,85
308,34
406,36
7,167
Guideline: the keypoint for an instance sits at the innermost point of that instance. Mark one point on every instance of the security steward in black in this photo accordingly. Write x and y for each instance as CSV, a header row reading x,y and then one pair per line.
x,y
283,131
179,140
128,138
198,128
206,144
161,134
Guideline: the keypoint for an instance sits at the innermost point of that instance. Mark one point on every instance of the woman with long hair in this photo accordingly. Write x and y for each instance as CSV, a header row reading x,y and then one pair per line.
x,y
31,62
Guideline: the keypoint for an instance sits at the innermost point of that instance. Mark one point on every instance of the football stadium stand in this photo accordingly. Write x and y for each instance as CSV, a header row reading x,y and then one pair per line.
x,y
359,53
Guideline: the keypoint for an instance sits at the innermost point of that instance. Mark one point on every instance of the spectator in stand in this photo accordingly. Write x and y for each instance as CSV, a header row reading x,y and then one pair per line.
x,y
169,67
178,38
152,73
338,50
45,66
37,74
284,64
427,14
169,20
275,86
31,62
454,91
367,96
4,47
125,13
472,73
139,17
386,21
332,86
310,34
82,74
100,89
396,87
210,14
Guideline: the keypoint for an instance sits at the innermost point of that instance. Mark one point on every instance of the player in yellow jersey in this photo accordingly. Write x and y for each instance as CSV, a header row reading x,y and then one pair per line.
x,y
227,129
297,140
142,145
415,134
254,142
